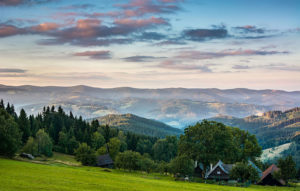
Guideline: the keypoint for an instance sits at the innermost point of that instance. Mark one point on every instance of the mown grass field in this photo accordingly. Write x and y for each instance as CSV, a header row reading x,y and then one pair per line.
x,y
22,175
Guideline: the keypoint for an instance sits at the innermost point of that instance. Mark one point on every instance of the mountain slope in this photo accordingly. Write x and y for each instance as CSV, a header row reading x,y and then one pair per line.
x,y
139,125
272,128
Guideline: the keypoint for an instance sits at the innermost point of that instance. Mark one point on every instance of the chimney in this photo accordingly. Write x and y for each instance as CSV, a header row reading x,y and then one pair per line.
x,y
211,166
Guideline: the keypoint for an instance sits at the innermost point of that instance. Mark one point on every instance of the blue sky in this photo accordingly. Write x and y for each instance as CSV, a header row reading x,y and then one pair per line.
x,y
151,43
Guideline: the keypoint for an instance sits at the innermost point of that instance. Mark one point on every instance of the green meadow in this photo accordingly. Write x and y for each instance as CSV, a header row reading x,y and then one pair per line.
x,y
44,174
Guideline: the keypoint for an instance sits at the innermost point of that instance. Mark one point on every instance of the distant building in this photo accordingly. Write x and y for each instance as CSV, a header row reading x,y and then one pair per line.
x,y
220,171
269,179
105,161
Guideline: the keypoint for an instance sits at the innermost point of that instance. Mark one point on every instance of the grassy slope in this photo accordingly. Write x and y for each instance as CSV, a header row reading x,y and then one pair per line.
x,y
18,175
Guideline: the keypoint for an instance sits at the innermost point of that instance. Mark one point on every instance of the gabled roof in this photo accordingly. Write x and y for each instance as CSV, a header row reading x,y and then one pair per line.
x,y
273,168
104,160
225,167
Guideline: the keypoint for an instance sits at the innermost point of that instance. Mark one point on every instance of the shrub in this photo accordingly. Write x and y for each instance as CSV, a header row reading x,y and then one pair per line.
x,y
128,160
244,172
85,154
182,165
44,143
31,147
146,164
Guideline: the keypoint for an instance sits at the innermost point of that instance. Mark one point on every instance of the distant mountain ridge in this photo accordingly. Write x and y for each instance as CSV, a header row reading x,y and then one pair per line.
x,y
139,125
177,107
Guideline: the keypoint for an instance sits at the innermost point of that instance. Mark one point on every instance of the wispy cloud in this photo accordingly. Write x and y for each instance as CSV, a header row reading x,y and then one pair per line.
x,y
241,67
201,34
178,65
12,70
22,2
249,29
98,55
199,55
141,58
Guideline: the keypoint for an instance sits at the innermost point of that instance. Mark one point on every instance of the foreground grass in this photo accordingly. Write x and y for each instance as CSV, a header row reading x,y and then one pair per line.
x,y
20,175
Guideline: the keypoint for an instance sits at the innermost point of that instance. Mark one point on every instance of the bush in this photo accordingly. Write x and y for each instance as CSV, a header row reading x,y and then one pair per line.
x,y
85,154
146,164
31,147
182,165
244,172
128,160
163,167
44,143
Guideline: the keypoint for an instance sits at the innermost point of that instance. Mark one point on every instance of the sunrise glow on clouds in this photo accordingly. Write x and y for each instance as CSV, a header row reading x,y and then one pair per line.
x,y
151,43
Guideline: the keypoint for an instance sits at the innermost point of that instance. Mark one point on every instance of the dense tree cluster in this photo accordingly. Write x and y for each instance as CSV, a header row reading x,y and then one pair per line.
x,y
243,172
287,168
209,141
10,135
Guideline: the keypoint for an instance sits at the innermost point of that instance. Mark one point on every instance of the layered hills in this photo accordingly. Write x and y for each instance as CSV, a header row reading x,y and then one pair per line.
x,y
177,107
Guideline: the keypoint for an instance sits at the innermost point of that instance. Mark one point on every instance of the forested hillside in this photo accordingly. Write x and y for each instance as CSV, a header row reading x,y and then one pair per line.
x,y
273,128
139,125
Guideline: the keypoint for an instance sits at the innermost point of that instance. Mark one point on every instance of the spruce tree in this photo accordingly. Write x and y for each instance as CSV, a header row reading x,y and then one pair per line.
x,y
24,125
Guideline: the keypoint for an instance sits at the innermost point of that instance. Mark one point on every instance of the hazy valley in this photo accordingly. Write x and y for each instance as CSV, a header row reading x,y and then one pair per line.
x,y
177,107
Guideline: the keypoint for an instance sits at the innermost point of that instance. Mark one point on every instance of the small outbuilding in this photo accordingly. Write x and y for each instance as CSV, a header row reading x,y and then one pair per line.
x,y
269,179
105,161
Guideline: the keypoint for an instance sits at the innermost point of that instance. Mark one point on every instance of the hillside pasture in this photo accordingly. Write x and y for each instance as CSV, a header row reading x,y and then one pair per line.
x,y
21,175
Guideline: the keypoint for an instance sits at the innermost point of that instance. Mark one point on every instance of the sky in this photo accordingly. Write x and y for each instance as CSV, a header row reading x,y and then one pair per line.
x,y
151,43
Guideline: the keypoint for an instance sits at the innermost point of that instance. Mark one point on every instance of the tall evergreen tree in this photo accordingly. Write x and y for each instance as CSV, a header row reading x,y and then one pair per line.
x,y
2,106
10,135
24,125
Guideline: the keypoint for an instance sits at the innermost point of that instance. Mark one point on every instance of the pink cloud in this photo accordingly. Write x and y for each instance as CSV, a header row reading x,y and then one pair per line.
x,y
9,30
44,27
88,23
140,22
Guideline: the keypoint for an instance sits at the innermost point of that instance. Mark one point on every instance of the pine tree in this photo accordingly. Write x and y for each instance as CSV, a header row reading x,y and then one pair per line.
x,y
24,125
2,104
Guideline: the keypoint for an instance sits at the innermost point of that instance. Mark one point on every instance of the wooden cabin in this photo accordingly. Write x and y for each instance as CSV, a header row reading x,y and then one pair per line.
x,y
105,161
220,171
269,179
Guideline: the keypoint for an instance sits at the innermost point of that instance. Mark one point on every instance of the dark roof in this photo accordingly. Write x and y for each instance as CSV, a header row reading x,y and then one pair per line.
x,y
104,160
273,168
225,167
